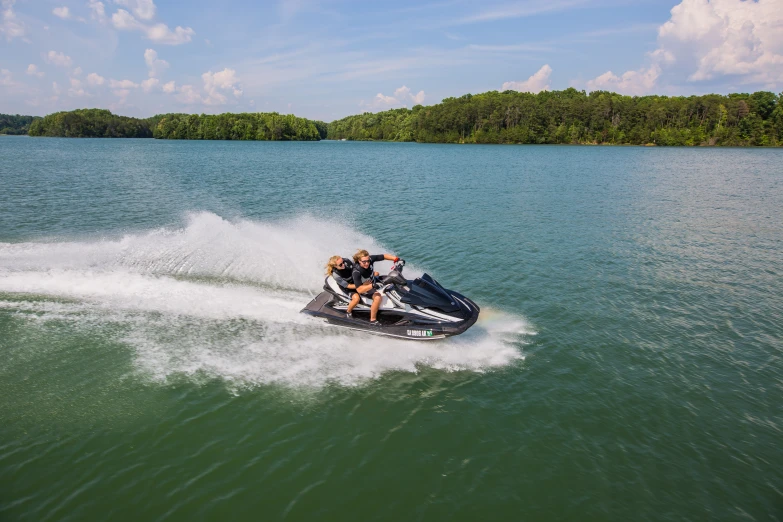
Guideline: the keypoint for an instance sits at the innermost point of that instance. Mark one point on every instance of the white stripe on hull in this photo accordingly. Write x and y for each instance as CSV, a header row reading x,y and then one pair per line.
x,y
373,332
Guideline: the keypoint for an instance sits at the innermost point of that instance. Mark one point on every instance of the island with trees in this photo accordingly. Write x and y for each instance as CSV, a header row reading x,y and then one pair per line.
x,y
100,123
549,117
90,123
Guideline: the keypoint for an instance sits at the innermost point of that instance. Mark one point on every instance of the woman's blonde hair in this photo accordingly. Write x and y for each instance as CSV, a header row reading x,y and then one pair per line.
x,y
333,261
360,254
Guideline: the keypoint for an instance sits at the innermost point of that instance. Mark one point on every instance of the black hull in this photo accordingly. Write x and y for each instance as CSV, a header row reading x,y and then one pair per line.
x,y
393,324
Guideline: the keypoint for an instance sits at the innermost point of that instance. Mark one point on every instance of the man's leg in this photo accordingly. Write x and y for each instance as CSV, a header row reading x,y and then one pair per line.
x,y
376,303
354,301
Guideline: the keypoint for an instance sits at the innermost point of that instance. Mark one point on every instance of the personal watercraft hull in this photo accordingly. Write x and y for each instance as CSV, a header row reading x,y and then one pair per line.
x,y
393,323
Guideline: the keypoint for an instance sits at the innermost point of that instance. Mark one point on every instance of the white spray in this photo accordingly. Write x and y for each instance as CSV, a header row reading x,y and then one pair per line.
x,y
222,299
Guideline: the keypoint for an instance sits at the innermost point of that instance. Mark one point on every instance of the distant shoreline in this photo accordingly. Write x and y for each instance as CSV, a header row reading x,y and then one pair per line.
x,y
591,145
567,117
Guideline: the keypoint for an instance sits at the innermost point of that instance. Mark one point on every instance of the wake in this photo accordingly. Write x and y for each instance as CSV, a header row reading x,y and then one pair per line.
x,y
220,299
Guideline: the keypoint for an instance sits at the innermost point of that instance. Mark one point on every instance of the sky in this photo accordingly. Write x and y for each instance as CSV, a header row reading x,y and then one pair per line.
x,y
326,59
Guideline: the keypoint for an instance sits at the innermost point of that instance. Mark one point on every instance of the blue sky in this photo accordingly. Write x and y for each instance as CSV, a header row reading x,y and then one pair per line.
x,y
328,59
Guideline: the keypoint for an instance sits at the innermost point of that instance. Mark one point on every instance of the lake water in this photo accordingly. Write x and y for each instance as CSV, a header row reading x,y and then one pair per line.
x,y
627,364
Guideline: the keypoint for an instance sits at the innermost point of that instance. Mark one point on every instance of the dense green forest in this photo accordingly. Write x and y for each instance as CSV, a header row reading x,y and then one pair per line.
x,y
15,124
246,126
568,116
99,123
572,116
90,123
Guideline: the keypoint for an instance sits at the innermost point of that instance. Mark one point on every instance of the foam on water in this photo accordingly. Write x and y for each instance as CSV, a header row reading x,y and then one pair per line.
x,y
222,299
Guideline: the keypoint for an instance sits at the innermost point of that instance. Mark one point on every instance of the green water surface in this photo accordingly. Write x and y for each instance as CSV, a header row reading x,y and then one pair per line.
x,y
154,365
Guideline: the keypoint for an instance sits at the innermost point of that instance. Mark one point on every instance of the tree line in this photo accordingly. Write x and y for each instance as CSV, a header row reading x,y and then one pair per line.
x,y
90,123
269,126
572,116
100,123
15,124
556,117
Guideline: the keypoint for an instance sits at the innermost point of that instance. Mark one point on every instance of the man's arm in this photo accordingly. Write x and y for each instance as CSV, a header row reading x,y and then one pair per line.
x,y
357,278
384,257
341,281
357,281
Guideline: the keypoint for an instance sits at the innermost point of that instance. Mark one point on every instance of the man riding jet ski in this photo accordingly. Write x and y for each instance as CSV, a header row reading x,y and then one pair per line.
x,y
419,309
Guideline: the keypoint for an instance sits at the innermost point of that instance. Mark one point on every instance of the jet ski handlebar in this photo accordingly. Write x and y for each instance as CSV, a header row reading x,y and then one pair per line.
x,y
395,275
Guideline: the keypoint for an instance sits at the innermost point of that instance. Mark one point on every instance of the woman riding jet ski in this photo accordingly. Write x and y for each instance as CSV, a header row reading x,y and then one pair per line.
x,y
419,309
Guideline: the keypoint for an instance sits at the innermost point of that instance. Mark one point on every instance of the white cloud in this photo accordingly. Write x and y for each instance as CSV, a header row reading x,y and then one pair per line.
x,y
404,93
95,79
149,84
633,83
76,89
217,87
536,83
154,65
662,56
11,27
62,12
32,70
122,88
214,98
225,80
122,94
401,96
144,9
711,40
122,84
188,95
55,88
56,58
6,79
123,20
162,34
159,33
77,71
98,10
516,10
381,100
727,37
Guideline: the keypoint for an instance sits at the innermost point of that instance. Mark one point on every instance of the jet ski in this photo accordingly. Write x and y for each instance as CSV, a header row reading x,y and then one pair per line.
x,y
419,309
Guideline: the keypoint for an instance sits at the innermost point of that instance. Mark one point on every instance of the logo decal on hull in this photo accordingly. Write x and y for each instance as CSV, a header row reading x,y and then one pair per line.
x,y
420,333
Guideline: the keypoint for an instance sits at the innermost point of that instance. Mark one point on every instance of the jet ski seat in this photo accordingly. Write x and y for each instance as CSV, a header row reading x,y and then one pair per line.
x,y
340,291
